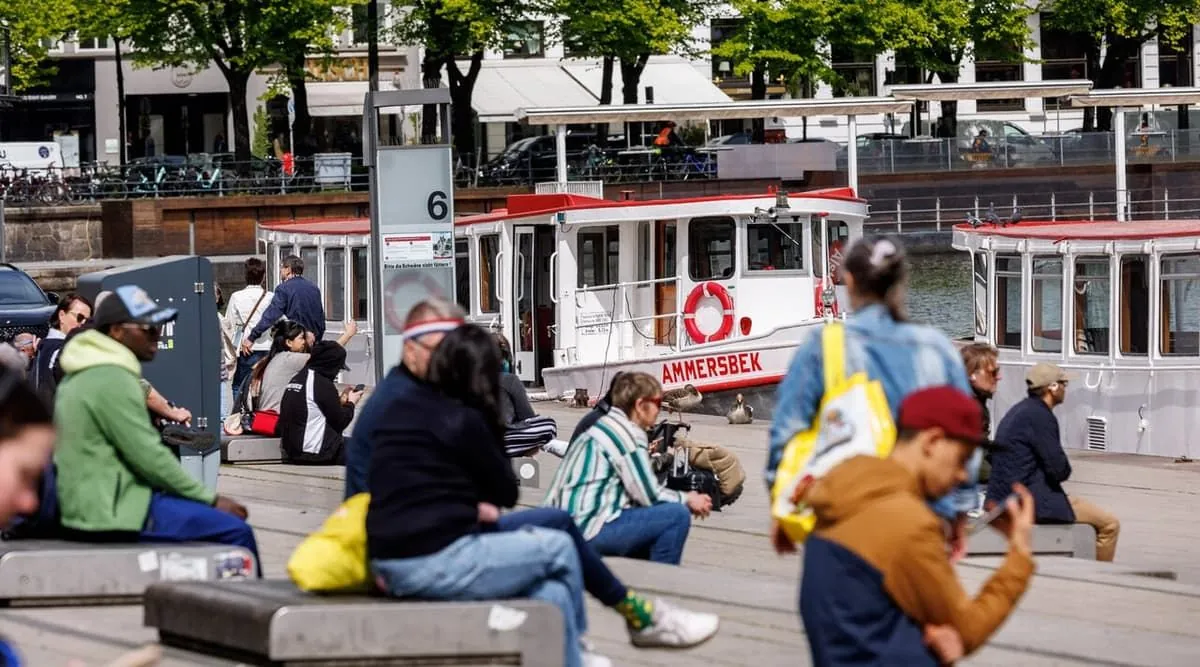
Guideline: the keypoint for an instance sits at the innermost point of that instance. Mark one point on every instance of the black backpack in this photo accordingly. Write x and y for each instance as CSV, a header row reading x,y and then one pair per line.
x,y
675,471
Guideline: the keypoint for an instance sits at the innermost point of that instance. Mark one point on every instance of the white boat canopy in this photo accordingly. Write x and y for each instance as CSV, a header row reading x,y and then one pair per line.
x,y
1120,98
851,107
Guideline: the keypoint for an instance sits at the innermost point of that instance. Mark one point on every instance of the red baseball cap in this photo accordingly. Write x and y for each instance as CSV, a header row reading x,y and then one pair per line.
x,y
947,408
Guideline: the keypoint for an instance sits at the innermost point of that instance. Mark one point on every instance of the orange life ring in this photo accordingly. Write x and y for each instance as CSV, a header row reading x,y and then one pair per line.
x,y
819,304
718,292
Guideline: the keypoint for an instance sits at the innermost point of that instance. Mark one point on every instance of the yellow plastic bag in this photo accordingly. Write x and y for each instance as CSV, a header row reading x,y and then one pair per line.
x,y
853,420
334,559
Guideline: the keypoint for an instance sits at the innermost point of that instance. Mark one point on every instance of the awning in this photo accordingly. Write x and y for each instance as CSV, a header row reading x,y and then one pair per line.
x,y
340,98
504,86
674,79
837,106
989,90
1136,97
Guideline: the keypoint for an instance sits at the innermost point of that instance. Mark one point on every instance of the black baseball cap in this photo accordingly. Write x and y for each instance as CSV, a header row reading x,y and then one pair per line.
x,y
130,303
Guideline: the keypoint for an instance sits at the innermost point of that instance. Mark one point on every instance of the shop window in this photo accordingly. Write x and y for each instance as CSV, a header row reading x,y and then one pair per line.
x,y
775,247
720,31
1180,323
1092,298
1047,284
93,43
839,241
980,271
360,281
462,274
334,288
711,248
1064,56
489,248
1008,301
855,72
999,62
1135,305
599,249
1175,62
525,39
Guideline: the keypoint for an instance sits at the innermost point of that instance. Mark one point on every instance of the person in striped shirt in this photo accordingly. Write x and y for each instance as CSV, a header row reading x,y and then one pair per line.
x,y
608,486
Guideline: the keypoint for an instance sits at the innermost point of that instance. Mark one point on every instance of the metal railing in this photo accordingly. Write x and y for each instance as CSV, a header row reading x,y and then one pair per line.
x,y
622,313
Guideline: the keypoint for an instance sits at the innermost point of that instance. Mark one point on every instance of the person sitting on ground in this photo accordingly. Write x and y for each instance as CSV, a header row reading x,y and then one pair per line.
x,y
116,480
527,431
649,623
1030,451
290,347
72,311
312,415
876,586
296,299
607,482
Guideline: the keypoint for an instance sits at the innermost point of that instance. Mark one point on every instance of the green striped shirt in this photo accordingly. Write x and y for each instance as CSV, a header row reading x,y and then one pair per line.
x,y
606,470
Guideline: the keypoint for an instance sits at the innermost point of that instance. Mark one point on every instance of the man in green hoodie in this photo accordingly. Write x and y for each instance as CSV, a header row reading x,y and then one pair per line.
x,y
116,480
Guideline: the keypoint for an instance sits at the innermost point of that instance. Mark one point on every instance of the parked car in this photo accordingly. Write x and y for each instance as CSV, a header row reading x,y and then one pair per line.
x,y
23,305
532,159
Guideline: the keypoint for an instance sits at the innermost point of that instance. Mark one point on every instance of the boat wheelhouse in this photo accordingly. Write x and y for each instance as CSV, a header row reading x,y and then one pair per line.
x,y
1115,304
715,292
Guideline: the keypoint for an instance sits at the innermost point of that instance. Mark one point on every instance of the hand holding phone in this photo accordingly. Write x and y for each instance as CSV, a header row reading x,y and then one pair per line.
x,y
359,387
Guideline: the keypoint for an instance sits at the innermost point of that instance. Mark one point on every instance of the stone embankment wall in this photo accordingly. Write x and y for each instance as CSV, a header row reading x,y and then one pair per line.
x,y
53,233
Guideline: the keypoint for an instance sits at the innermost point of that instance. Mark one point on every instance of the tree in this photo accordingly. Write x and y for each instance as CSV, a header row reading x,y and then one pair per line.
x,y
239,37
107,19
949,31
33,24
1116,31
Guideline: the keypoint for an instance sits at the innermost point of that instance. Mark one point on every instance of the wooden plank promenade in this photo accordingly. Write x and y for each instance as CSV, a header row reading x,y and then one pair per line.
x,y
1075,613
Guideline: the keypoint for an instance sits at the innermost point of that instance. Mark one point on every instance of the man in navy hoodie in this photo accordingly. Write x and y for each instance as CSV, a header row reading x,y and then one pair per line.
x,y
295,298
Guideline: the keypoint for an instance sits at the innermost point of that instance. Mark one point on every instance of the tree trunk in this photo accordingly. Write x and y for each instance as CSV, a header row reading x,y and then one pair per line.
x,y
631,77
462,119
302,127
237,81
431,77
949,126
758,82
1119,50
606,80
121,129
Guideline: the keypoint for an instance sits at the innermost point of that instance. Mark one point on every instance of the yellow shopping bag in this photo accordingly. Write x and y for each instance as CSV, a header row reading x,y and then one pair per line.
x,y
853,419
334,559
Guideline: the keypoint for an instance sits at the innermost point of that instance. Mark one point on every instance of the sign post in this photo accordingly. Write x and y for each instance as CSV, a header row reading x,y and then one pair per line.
x,y
291,125
412,220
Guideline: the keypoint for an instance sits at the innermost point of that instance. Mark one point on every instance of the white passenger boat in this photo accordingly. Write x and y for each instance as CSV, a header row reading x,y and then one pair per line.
x,y
1115,303
714,292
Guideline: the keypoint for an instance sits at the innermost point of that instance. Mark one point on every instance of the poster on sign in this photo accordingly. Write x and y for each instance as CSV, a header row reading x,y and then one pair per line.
x,y
423,250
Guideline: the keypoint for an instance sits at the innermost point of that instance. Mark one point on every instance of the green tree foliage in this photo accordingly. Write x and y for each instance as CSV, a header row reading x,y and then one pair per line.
x,y
262,133
1118,29
33,24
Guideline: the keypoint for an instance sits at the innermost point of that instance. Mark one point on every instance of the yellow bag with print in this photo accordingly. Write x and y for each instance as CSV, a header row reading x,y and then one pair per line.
x,y
853,420
334,559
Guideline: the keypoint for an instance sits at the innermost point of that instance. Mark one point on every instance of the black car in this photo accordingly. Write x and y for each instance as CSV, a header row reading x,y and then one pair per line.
x,y
23,304
533,159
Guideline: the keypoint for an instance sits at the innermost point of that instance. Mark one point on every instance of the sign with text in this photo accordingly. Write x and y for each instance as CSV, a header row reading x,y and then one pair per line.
x,y
415,207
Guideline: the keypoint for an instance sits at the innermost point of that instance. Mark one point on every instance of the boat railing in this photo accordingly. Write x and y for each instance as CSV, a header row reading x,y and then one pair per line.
x,y
586,188
621,313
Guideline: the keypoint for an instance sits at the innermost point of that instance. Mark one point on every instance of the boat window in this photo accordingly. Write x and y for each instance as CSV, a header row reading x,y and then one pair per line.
x,y
645,268
777,247
1008,301
1135,305
1092,305
1180,305
489,247
979,262
1047,304
599,256
360,278
334,289
710,248
309,255
839,240
462,274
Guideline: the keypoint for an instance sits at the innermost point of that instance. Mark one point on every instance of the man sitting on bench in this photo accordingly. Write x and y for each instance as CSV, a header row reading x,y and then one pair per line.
x,y
116,480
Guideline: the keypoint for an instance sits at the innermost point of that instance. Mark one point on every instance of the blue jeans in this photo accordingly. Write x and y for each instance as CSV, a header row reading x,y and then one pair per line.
x,y
656,533
173,519
531,562
597,578
245,365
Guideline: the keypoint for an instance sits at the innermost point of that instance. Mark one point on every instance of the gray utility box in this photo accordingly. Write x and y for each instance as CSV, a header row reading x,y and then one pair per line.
x,y
187,368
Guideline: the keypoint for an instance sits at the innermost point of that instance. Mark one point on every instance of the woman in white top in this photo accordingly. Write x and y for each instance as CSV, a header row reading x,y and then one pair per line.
x,y
289,354
246,308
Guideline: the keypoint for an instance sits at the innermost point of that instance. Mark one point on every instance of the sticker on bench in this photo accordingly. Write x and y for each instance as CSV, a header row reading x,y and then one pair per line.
x,y
233,565
148,561
506,619
177,567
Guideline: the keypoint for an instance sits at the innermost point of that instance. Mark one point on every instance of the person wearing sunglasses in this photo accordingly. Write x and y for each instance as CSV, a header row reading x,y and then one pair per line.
x,y
607,484
116,482
72,312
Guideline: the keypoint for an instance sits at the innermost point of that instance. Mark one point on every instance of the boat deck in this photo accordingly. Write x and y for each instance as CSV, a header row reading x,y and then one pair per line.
x,y
1076,612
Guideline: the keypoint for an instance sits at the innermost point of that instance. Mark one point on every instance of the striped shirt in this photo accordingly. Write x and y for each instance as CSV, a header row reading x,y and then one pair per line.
x,y
606,470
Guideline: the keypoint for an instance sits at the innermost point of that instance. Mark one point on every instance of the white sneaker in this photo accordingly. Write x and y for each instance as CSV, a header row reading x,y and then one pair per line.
x,y
675,628
589,657
556,447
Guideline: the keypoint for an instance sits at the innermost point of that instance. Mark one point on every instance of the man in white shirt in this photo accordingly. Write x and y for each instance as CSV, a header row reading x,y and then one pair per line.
x,y
246,308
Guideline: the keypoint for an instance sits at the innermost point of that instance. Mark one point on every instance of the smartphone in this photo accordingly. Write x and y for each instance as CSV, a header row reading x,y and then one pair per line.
x,y
991,515
359,387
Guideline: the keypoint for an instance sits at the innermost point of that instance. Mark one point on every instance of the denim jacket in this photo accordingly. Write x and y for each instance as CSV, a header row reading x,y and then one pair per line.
x,y
903,357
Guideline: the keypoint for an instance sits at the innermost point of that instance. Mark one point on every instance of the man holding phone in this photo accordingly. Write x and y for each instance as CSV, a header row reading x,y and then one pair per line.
x,y
877,586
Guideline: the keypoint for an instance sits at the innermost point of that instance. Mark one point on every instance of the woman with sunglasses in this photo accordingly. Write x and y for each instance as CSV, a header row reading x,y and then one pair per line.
x,y
72,312
607,484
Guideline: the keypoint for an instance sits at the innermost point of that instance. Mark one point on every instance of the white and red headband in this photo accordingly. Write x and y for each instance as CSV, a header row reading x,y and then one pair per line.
x,y
430,326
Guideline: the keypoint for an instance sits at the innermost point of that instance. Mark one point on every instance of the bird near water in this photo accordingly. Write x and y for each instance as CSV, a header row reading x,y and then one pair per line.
x,y
740,413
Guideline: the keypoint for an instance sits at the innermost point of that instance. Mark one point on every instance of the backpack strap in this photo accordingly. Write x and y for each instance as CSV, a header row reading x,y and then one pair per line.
x,y
833,348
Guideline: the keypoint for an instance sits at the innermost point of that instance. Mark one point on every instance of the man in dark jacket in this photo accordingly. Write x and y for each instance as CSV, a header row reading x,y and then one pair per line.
x,y
1029,451
295,298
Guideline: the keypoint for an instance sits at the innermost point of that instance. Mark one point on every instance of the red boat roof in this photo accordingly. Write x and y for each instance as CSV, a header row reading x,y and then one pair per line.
x,y
533,205
1091,230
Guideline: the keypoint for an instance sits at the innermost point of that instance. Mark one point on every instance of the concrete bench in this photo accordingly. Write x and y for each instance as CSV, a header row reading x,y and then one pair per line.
x,y
250,449
41,572
270,620
1075,540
